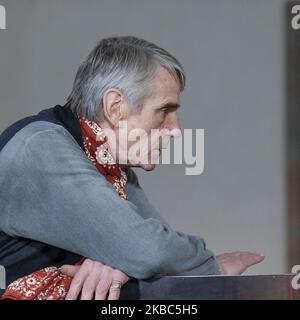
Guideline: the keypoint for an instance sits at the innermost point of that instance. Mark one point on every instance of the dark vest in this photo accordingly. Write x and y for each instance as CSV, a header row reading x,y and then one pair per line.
x,y
59,115
23,256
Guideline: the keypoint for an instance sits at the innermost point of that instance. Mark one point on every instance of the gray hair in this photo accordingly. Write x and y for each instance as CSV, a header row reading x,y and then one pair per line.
x,y
126,63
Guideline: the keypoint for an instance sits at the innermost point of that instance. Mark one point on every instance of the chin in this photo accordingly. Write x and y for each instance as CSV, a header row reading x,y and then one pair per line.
x,y
148,167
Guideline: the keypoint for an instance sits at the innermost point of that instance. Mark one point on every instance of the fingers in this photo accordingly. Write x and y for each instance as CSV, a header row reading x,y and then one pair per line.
x,y
78,280
69,270
251,258
90,283
237,262
118,278
95,281
115,291
103,286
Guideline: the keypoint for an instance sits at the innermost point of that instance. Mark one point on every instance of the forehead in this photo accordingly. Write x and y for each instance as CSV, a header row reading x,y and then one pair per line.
x,y
165,88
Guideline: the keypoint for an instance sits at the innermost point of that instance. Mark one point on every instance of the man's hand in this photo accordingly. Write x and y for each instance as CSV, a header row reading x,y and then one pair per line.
x,y
94,280
235,263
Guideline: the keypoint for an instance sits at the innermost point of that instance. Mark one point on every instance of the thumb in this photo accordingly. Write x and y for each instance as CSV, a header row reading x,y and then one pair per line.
x,y
69,270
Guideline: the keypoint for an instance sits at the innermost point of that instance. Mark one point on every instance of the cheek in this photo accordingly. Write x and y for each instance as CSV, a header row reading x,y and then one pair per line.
x,y
145,123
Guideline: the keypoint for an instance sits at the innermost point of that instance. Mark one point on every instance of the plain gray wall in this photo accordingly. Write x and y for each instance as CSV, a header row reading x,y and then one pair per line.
x,y
233,53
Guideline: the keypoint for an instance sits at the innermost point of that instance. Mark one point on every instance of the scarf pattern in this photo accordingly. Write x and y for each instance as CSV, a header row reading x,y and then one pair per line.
x,y
97,150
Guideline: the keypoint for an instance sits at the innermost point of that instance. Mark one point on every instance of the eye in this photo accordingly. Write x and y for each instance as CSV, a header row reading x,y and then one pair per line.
x,y
165,110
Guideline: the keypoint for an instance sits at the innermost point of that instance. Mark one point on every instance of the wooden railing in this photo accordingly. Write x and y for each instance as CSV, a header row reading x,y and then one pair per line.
x,y
243,287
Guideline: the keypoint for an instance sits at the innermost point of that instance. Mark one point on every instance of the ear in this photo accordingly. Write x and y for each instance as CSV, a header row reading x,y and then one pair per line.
x,y
115,106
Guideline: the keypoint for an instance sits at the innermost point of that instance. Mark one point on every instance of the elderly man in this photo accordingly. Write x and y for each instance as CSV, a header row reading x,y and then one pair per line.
x,y
68,190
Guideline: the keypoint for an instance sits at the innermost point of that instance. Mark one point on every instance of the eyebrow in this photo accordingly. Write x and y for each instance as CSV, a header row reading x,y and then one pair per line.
x,y
172,105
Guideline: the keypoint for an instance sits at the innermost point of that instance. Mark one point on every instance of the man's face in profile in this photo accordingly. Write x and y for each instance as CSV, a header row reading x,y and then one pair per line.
x,y
159,111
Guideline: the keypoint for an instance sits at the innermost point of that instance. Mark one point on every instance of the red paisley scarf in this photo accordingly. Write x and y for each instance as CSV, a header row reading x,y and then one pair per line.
x,y
49,283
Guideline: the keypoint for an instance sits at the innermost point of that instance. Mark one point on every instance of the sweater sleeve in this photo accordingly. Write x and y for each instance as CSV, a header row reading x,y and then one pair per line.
x,y
55,195
137,196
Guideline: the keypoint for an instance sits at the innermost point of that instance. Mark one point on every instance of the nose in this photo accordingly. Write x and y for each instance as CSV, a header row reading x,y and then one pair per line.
x,y
173,127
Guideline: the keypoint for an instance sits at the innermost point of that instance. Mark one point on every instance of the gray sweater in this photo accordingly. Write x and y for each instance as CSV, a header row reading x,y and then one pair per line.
x,y
53,198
